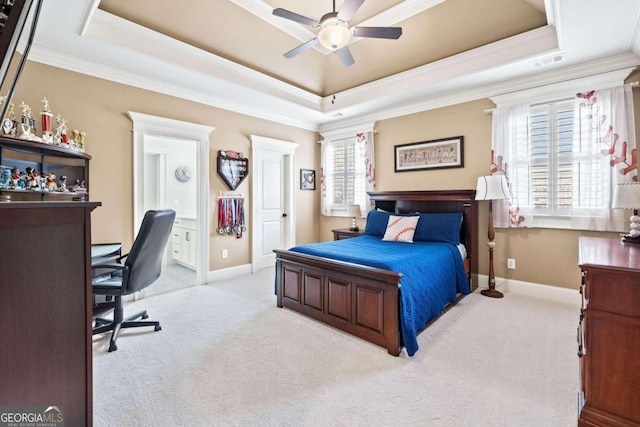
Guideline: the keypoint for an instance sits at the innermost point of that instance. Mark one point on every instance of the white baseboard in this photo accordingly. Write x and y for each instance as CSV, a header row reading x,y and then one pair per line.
x,y
534,290
228,273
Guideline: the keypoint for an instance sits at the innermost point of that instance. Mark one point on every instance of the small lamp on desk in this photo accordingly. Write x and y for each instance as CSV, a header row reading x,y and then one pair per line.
x,y
354,212
492,187
627,196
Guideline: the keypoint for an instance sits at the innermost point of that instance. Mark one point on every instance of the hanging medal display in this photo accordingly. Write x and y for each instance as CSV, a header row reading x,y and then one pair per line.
x,y
231,220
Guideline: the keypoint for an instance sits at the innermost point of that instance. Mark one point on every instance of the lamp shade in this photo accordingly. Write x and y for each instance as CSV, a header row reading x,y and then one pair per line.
x,y
354,211
626,196
492,187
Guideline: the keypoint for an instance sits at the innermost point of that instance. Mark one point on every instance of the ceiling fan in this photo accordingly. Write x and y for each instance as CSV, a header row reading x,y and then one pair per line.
x,y
334,31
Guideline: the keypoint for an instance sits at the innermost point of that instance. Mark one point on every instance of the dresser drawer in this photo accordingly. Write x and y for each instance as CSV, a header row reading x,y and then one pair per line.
x,y
613,291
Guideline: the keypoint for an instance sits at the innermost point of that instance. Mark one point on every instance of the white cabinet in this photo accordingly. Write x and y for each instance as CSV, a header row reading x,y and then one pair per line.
x,y
183,242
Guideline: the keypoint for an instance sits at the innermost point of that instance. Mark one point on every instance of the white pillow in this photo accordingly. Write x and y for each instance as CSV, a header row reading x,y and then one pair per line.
x,y
401,228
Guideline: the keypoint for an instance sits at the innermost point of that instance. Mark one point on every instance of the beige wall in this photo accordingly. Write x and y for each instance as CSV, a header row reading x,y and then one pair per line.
x,y
99,108
545,256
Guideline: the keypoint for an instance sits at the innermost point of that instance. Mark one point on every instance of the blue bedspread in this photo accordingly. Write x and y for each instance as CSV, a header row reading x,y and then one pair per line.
x,y
433,274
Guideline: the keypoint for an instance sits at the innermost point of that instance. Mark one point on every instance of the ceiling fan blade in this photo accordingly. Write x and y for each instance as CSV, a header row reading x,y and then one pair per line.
x,y
345,56
349,9
378,32
311,43
283,13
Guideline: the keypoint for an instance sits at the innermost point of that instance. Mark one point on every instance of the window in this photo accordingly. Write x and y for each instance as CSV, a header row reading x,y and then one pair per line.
x,y
345,173
545,161
348,170
564,158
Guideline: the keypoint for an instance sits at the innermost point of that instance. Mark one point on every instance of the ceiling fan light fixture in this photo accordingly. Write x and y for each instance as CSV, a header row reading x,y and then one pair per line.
x,y
334,34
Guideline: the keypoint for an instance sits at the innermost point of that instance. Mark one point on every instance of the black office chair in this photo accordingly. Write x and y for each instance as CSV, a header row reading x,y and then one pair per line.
x,y
141,268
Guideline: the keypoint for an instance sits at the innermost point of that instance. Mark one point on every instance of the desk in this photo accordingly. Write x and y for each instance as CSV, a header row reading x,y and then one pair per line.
x,y
101,254
104,253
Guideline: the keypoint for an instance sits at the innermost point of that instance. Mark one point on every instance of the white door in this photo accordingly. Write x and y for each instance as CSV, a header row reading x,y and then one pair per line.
x,y
271,207
273,215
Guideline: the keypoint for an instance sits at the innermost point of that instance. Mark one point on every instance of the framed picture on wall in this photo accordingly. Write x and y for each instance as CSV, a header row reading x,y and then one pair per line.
x,y
435,154
307,179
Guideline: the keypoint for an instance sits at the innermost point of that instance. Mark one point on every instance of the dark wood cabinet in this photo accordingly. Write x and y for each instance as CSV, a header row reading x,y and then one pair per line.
x,y
609,333
345,233
44,158
45,307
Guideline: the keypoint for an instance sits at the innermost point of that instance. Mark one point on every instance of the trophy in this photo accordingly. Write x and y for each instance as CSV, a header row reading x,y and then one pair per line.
x,y
9,124
28,124
60,138
47,134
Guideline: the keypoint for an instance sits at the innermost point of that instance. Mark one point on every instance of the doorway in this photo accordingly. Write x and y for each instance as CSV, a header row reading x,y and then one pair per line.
x,y
169,167
171,170
273,207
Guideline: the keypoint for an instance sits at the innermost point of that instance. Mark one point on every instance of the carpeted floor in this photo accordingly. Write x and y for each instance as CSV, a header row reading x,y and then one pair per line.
x,y
228,356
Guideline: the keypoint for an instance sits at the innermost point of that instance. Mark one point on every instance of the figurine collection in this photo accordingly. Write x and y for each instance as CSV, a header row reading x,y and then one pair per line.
x,y
32,180
27,128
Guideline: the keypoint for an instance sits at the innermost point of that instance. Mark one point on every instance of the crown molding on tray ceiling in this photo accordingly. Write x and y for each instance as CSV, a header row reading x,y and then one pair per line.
x,y
425,102
389,17
535,42
190,73
248,102
113,30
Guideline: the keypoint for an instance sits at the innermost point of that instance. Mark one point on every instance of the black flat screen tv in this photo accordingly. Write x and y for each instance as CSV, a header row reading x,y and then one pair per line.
x,y
13,18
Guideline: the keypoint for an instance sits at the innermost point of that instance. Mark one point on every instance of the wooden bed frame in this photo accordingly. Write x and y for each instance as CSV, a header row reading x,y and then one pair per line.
x,y
361,300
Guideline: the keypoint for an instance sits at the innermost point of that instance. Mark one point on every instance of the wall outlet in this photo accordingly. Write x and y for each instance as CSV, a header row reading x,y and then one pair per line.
x,y
511,263
225,254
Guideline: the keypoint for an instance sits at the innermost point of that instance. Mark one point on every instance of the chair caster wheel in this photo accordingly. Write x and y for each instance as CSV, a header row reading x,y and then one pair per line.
x,y
145,316
112,347
158,328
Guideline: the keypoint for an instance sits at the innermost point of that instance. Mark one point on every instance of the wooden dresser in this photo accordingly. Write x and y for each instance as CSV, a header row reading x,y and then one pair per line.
x,y
45,307
609,333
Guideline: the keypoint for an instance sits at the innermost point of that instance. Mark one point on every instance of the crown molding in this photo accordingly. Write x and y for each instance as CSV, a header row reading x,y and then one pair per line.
x,y
113,30
252,103
563,89
622,62
133,55
534,42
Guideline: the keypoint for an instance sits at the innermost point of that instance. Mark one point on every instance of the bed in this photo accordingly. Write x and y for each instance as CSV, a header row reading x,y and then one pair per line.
x,y
349,285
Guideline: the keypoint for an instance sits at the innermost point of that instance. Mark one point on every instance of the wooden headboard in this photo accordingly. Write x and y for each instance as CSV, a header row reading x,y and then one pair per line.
x,y
439,201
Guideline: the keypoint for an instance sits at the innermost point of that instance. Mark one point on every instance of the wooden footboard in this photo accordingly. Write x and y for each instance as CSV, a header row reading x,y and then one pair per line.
x,y
360,300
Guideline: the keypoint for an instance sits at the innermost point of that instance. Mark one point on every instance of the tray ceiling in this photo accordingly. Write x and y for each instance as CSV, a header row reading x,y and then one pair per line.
x,y
432,30
229,53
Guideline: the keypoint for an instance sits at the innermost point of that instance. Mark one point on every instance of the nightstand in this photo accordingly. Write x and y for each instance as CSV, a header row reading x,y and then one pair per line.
x,y
345,233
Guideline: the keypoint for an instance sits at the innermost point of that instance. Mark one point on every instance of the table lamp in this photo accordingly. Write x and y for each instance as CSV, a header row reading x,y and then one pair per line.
x,y
354,212
627,196
492,187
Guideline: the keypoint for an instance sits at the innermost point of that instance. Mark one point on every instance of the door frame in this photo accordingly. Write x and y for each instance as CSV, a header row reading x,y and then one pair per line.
x,y
144,124
259,146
